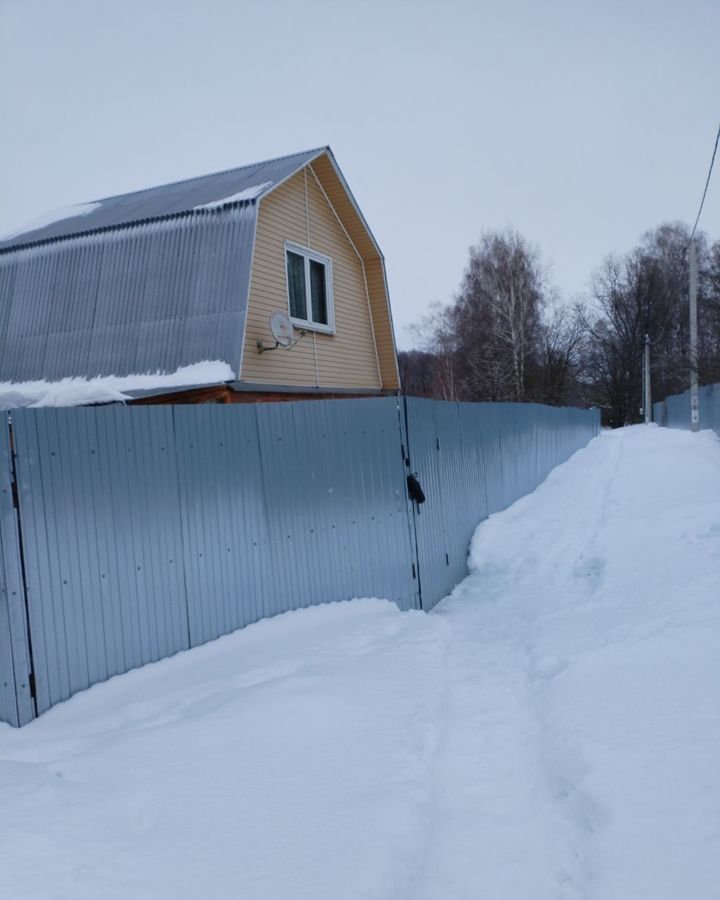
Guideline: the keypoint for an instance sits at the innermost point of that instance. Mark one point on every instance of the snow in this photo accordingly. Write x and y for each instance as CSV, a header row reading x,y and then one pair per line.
x,y
248,194
549,732
82,209
108,388
49,218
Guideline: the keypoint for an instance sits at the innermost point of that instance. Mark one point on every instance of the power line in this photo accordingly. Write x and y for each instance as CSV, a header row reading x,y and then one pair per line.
x,y
707,182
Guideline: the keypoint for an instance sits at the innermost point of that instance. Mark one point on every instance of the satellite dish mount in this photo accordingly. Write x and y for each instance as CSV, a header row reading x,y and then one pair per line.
x,y
283,331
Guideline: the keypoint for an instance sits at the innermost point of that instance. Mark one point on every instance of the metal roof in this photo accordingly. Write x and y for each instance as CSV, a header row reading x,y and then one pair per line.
x,y
144,282
150,297
254,180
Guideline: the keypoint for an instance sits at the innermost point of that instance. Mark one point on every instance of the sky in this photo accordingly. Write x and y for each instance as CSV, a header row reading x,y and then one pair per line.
x,y
581,124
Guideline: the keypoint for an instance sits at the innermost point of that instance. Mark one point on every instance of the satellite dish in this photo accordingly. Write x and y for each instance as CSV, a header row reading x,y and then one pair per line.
x,y
282,328
283,331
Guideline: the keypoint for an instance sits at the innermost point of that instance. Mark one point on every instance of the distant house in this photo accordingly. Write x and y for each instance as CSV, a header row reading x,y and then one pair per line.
x,y
186,276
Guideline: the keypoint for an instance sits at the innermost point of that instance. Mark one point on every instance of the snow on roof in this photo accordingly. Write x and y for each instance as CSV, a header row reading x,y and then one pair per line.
x,y
108,388
205,191
248,194
51,217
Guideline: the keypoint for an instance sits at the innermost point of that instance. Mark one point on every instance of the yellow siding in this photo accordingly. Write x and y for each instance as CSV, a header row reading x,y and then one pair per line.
x,y
387,359
347,358
374,266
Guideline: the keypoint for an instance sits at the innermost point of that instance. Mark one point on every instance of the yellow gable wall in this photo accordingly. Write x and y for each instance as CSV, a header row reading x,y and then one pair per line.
x,y
347,358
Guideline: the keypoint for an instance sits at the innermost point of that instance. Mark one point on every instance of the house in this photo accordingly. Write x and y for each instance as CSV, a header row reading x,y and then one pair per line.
x,y
177,283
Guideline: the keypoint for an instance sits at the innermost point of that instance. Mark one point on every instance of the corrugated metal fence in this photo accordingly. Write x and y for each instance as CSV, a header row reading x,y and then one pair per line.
x,y
674,411
474,459
130,533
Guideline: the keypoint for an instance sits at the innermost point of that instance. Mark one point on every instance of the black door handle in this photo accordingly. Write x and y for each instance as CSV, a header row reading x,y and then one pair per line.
x,y
415,489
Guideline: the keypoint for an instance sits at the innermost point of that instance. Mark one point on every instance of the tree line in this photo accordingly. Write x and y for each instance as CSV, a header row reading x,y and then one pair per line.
x,y
506,336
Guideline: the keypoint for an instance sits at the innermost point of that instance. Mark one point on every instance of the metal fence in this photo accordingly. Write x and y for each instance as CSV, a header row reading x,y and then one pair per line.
x,y
130,533
674,411
474,459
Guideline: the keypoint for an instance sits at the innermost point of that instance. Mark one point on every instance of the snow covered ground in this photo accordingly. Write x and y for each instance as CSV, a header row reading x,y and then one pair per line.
x,y
550,732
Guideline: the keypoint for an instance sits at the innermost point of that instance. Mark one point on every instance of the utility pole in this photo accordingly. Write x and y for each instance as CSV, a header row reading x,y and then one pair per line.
x,y
647,393
694,396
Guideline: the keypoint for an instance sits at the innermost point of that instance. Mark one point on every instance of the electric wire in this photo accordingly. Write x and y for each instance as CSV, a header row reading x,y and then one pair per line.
x,y
707,182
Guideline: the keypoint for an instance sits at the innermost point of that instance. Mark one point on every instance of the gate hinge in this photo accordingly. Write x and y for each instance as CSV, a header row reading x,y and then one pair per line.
x,y
413,568
31,684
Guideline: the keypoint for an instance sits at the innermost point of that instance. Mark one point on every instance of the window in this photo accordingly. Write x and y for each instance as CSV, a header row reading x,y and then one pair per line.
x,y
309,280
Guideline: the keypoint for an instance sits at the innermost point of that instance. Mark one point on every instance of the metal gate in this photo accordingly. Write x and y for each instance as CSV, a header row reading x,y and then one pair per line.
x,y
151,529
16,702
474,459
427,460
456,450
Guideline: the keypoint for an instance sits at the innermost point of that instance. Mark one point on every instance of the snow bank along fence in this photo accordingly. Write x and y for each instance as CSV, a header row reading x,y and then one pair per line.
x,y
129,533
674,411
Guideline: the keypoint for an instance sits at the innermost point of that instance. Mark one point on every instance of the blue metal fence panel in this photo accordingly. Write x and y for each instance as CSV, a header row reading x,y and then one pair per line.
x,y
16,706
674,411
288,505
99,507
147,530
228,566
713,408
474,459
660,413
456,477
431,524
338,517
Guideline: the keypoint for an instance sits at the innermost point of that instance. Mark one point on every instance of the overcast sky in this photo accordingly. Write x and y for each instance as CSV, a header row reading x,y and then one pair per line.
x,y
582,124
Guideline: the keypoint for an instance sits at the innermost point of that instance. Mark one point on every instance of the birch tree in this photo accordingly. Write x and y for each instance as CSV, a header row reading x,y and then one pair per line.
x,y
497,314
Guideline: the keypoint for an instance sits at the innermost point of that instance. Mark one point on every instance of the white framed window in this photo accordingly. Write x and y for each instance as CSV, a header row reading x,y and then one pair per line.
x,y
310,291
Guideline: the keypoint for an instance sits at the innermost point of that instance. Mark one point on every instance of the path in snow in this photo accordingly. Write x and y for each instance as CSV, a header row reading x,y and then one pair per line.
x,y
581,758
550,732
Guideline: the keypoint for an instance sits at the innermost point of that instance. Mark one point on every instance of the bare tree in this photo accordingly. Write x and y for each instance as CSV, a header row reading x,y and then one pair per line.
x,y
644,292
564,340
417,373
435,336
496,316
709,314
506,337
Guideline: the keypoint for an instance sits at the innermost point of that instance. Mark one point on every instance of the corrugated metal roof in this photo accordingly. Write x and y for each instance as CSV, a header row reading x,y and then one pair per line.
x,y
140,283
151,297
166,199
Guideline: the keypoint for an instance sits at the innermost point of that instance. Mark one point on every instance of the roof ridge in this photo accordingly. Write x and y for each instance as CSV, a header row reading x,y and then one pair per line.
x,y
167,184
